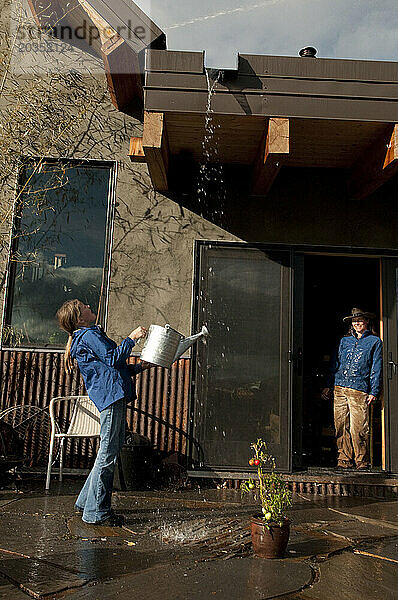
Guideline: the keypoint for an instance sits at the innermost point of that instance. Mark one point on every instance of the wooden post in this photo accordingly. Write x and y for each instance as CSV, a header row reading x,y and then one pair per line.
x,y
376,166
382,411
156,149
136,153
270,156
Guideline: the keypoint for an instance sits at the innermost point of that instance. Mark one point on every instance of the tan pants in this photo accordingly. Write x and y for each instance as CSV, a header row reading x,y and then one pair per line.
x,y
351,421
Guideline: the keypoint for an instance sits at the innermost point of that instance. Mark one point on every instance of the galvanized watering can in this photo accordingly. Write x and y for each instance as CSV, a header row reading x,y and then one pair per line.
x,y
164,345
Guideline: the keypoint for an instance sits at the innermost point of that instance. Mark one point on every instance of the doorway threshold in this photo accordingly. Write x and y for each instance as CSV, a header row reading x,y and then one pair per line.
x,y
318,481
339,471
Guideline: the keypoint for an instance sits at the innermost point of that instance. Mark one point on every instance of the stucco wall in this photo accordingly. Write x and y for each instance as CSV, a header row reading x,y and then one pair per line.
x,y
152,260
154,235
310,206
71,116
152,253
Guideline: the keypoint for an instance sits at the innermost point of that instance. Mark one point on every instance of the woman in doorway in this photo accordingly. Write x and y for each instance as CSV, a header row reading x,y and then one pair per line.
x,y
357,378
109,384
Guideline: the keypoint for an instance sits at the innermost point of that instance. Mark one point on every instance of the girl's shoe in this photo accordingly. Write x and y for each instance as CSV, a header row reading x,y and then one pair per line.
x,y
113,520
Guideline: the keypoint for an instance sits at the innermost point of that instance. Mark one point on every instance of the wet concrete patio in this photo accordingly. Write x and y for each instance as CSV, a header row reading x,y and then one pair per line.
x,y
193,544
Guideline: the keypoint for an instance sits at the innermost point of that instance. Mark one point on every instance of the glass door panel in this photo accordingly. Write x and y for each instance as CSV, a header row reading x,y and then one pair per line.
x,y
390,342
242,377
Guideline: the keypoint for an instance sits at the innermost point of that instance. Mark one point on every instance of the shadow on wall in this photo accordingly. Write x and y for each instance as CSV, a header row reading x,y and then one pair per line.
x,y
299,202
152,253
304,206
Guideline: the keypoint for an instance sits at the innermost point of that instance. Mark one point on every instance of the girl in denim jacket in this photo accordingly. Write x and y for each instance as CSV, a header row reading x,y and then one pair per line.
x,y
110,386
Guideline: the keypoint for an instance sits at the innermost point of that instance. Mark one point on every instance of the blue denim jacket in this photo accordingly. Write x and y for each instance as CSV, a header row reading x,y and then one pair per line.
x,y
102,364
359,363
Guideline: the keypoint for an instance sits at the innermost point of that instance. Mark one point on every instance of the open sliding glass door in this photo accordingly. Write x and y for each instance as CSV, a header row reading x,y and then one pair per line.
x,y
390,340
242,381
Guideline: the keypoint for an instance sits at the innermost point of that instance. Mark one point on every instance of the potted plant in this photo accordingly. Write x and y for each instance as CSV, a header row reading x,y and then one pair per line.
x,y
271,528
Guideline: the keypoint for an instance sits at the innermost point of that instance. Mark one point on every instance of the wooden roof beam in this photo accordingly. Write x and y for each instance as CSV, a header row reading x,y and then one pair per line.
x,y
376,166
99,30
123,74
136,152
156,149
273,151
122,68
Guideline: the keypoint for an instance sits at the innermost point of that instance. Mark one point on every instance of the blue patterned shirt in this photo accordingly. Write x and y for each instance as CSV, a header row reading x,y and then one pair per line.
x,y
359,363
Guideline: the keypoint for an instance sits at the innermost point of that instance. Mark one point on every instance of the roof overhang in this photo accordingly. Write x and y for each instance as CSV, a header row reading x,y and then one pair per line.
x,y
116,31
274,111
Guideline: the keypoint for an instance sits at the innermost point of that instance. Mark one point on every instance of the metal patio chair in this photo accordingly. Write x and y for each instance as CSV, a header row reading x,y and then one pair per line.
x,y
84,423
32,425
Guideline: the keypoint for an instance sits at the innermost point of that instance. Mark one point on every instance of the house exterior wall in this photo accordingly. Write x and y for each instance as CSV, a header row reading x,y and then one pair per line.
x,y
153,237
152,249
152,260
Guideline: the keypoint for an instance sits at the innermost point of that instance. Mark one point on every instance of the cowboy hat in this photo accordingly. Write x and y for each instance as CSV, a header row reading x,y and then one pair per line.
x,y
356,313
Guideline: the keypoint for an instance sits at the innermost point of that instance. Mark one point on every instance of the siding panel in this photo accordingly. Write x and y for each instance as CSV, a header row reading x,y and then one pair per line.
x,y
31,379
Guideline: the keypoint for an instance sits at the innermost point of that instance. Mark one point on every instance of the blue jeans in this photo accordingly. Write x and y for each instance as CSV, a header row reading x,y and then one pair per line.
x,y
96,495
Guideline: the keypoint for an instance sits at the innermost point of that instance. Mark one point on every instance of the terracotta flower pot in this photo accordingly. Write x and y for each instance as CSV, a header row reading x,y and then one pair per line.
x,y
271,541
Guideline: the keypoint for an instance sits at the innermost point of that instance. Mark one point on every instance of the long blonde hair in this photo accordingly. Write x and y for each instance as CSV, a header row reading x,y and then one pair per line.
x,y
68,318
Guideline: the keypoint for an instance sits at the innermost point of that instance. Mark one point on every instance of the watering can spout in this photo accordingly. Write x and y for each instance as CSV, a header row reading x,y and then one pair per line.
x,y
164,345
187,342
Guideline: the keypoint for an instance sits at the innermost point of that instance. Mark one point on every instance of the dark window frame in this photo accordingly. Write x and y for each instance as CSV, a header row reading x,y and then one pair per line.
x,y
11,268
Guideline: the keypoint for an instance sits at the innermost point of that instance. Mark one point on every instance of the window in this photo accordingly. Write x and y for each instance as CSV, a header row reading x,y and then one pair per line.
x,y
59,247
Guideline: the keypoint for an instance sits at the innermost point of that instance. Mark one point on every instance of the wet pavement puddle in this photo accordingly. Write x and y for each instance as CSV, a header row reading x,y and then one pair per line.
x,y
100,562
80,529
384,549
8,591
249,578
307,544
349,576
357,531
37,577
188,545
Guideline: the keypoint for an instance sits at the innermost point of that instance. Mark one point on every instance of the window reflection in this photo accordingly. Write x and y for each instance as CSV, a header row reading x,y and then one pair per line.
x,y
58,247
238,383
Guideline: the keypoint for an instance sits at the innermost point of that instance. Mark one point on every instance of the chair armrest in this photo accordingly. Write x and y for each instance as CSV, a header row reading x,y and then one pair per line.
x,y
56,400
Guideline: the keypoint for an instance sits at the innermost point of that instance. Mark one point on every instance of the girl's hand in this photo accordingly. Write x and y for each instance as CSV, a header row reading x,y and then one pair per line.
x,y
370,398
138,333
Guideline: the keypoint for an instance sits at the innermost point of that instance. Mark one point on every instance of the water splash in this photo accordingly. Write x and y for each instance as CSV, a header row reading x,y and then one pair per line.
x,y
211,184
183,532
